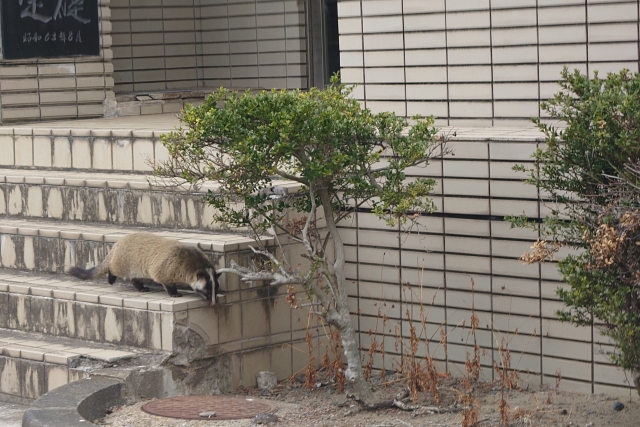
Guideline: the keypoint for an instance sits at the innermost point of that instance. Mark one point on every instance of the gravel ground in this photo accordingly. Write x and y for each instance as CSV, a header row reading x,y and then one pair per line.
x,y
325,407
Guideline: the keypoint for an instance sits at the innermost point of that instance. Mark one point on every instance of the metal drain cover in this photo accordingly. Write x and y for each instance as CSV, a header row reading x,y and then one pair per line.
x,y
225,407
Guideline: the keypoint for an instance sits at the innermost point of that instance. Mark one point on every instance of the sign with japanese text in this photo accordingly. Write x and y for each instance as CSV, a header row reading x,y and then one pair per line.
x,y
49,28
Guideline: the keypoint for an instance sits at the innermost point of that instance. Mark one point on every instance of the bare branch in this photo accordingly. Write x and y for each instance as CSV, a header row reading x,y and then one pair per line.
x,y
292,177
248,275
310,218
272,258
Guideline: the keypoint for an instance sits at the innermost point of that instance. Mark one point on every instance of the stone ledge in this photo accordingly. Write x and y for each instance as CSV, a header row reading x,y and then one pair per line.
x,y
59,350
75,405
32,364
219,242
111,198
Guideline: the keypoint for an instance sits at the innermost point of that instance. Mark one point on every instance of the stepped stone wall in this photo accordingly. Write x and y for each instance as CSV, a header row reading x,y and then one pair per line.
x,y
104,150
68,191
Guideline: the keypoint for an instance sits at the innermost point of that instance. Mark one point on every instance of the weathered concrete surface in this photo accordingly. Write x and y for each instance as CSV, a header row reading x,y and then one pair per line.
x,y
11,414
75,404
160,207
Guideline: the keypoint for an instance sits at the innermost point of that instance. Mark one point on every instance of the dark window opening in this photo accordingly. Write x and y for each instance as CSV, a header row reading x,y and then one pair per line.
x,y
331,39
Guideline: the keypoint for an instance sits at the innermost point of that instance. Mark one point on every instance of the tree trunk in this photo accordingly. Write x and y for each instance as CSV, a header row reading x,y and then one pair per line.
x,y
340,317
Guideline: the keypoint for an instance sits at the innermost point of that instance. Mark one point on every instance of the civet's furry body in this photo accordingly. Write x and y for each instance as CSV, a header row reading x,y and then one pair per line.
x,y
141,256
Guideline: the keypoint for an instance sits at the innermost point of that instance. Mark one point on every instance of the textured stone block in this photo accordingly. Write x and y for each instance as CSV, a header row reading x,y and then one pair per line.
x,y
266,380
136,328
252,363
10,376
204,322
19,312
144,210
4,313
142,155
113,325
64,318
167,331
89,321
34,201
56,376
80,153
42,315
61,152
42,151
229,321
101,154
7,251
255,322
24,150
14,206
122,154
155,329
49,255
54,205
3,204
6,150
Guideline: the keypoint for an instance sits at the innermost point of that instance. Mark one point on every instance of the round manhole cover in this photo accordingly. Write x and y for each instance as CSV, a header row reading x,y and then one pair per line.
x,y
190,407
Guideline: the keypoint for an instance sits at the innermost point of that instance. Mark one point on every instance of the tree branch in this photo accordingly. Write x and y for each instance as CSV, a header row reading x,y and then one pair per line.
x,y
248,275
292,177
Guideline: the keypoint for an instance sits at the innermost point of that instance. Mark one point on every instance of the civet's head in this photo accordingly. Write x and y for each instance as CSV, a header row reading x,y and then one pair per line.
x,y
207,286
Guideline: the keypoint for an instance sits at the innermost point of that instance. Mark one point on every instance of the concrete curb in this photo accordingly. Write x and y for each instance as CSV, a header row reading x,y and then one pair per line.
x,y
74,405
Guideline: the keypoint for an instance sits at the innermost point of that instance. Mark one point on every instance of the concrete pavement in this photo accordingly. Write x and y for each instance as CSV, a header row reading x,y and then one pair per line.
x,y
11,414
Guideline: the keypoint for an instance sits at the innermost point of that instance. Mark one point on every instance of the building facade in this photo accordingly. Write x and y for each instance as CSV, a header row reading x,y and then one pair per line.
x,y
470,63
484,62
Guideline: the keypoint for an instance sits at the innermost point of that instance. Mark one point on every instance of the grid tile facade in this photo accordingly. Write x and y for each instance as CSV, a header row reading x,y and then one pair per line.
x,y
481,62
179,44
390,271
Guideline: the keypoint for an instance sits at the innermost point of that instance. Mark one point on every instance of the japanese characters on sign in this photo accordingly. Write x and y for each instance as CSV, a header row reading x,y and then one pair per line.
x,y
49,28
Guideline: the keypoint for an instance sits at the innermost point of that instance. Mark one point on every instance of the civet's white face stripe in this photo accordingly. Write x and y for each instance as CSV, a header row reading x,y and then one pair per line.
x,y
199,285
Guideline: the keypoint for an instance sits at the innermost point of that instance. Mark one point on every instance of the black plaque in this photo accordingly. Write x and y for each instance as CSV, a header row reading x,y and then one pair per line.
x,y
49,28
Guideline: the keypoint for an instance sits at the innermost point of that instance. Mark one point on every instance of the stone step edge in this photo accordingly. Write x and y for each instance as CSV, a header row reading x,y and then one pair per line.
x,y
49,229
104,294
116,181
38,347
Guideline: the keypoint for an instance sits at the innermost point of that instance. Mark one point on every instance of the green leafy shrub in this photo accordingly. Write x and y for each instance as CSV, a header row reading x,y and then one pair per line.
x,y
343,158
590,169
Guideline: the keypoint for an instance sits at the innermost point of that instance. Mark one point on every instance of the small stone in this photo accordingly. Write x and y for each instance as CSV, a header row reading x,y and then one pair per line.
x,y
265,418
618,406
589,425
266,380
563,412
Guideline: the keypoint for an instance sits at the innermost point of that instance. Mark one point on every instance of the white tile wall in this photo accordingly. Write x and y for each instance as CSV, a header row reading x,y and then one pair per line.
x,y
167,45
468,241
448,42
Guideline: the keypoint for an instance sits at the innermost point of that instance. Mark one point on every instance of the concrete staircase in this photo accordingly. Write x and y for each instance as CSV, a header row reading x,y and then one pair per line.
x,y
68,191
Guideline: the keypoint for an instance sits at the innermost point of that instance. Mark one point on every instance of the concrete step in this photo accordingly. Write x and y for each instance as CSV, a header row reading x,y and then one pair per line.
x,y
110,198
32,364
53,247
128,144
245,331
